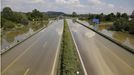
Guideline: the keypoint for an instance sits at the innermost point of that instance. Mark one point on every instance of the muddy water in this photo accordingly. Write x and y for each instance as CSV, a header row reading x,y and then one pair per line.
x,y
122,37
19,34
15,36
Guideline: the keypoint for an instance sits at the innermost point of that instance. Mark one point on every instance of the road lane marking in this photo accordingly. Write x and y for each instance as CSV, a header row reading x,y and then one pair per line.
x,y
19,57
57,51
119,58
80,56
83,66
27,70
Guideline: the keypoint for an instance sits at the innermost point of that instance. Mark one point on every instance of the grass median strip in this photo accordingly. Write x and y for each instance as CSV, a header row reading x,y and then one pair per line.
x,y
70,63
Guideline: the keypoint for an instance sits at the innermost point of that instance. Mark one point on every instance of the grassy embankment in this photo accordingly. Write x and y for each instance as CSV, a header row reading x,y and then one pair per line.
x,y
70,62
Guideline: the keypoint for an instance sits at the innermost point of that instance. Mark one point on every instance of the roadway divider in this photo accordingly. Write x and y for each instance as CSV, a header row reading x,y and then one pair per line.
x,y
107,37
69,61
25,38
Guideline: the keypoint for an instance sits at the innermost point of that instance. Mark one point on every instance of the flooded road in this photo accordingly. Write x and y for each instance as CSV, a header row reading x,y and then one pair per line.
x,y
121,37
35,56
101,56
19,34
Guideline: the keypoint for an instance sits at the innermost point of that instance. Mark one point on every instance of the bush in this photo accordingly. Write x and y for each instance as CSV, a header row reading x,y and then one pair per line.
x,y
131,27
16,17
20,18
7,13
24,21
6,24
123,24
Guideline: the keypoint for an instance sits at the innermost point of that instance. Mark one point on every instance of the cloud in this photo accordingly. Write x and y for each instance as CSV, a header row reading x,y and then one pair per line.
x,y
95,2
99,4
69,3
27,1
68,6
111,5
24,5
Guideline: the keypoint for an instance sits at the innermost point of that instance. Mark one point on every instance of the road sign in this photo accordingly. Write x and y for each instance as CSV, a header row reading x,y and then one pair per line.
x,y
97,21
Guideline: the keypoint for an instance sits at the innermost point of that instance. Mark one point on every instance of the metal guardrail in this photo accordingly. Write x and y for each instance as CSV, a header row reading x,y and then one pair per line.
x,y
107,37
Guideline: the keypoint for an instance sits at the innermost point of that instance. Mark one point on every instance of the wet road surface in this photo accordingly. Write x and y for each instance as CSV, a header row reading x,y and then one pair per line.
x,y
100,56
35,56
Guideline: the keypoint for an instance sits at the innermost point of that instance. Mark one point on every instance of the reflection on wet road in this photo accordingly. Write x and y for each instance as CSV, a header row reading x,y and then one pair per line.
x,y
101,56
36,55
121,37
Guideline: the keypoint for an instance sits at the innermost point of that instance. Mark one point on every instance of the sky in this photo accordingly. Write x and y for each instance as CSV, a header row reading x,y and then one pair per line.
x,y
68,6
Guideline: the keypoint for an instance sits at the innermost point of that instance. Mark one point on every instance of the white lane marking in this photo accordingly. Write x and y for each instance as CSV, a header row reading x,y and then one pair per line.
x,y
45,44
19,57
27,70
83,66
57,51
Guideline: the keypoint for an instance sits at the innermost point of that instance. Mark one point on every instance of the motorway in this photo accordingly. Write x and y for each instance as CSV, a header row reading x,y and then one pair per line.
x,y
35,56
99,55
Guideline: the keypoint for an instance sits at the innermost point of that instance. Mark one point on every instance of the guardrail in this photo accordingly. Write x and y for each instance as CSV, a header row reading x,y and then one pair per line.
x,y
107,37
17,43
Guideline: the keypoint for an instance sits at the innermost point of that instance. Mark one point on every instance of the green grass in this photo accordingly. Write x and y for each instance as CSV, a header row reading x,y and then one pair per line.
x,y
70,62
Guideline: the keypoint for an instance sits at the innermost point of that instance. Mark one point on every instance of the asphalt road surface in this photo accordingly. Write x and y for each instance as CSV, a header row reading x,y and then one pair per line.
x,y
100,56
35,56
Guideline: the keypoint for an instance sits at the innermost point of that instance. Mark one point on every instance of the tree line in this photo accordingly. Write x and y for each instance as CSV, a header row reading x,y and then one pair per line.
x,y
109,17
121,21
10,19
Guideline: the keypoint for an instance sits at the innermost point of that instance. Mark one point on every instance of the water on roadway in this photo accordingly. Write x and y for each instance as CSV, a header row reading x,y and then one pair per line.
x,y
121,37
101,56
36,55
13,36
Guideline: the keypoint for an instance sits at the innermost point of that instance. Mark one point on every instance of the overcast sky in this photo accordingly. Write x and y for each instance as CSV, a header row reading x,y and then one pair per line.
x,y
68,6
